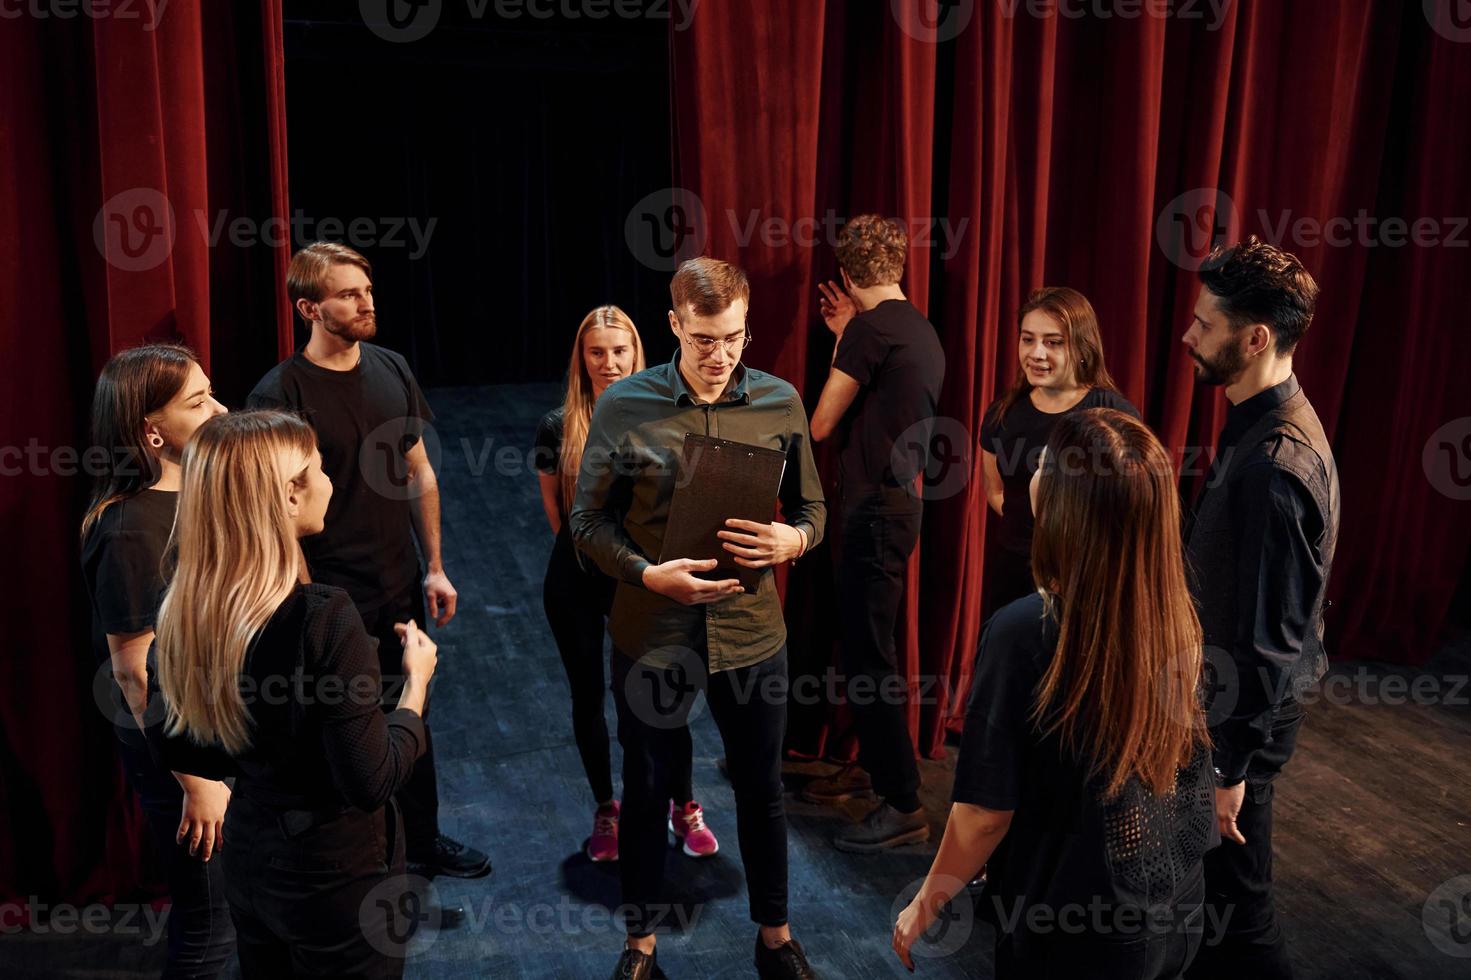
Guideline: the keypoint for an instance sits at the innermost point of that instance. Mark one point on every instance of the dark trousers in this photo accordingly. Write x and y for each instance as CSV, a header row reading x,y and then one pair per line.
x,y
1162,954
1238,877
749,705
879,531
577,598
418,800
318,894
1008,578
201,936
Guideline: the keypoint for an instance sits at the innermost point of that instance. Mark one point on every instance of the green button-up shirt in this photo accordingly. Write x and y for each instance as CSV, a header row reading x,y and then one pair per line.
x,y
630,465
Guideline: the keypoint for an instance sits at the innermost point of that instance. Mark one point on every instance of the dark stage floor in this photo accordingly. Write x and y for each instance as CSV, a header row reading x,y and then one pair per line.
x,y
1372,815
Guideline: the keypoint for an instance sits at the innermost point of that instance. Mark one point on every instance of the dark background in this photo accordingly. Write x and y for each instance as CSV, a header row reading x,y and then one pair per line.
x,y
527,141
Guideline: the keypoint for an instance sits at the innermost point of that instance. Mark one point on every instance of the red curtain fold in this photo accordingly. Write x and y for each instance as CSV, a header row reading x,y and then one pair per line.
x,y
1108,154
126,141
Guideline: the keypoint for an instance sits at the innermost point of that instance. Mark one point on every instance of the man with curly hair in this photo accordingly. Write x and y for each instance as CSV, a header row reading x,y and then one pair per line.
x,y
880,401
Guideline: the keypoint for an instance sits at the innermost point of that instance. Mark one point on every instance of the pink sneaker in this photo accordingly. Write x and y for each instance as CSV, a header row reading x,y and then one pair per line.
x,y
687,823
603,844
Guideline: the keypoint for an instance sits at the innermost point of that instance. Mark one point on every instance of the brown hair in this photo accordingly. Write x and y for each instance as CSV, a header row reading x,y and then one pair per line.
x,y
1123,686
872,250
306,277
708,286
133,385
577,408
1072,312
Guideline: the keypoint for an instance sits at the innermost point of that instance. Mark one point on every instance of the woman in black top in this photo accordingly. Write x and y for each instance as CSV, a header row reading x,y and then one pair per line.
x,y
577,596
148,402
1084,772
277,683
1061,370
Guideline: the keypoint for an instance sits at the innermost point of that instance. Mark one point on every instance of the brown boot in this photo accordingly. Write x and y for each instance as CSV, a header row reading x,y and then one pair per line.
x,y
847,783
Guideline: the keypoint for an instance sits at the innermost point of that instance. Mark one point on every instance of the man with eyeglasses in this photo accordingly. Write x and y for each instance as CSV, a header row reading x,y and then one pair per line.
x,y
676,634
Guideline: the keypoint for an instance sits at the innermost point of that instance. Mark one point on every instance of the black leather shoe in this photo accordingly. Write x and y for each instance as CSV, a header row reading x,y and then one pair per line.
x,y
451,858
633,965
786,962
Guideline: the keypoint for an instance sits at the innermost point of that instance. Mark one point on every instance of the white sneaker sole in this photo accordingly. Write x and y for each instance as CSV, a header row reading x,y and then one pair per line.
x,y
679,841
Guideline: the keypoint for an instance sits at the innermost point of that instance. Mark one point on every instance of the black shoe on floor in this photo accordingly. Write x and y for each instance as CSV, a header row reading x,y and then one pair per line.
x,y
786,962
883,828
633,965
451,858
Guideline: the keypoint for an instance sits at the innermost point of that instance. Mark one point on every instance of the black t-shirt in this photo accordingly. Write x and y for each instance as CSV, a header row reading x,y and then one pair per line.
x,y
893,352
318,736
1067,847
366,420
122,559
1017,443
546,454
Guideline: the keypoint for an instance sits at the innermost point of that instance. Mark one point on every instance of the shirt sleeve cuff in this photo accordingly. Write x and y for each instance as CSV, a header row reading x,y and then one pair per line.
x,y
1230,765
633,569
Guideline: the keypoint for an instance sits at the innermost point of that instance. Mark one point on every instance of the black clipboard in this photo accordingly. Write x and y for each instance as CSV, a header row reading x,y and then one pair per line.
x,y
720,479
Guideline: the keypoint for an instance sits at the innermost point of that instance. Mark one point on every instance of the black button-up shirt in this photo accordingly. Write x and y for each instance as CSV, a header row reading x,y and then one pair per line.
x,y
1279,574
630,465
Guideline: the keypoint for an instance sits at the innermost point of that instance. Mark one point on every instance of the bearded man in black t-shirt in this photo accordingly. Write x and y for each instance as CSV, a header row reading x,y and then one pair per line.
x,y
369,415
880,400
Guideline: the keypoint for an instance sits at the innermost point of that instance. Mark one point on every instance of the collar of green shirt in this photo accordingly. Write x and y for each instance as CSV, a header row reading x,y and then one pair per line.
x,y
735,388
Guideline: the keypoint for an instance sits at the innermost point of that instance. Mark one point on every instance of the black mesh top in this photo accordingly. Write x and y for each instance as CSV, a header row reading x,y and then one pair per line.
x,y
1099,863
319,739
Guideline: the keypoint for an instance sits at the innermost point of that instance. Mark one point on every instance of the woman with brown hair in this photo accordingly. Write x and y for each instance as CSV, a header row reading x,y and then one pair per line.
x,y
1084,773
148,402
277,683
577,596
1060,370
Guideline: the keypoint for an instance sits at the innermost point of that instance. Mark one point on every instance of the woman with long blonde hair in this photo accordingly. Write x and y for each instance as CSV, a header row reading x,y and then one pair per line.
x,y
1084,773
275,682
577,596
147,403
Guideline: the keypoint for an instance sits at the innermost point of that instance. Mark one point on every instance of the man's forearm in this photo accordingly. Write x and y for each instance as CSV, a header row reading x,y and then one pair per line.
x,y
425,511
601,537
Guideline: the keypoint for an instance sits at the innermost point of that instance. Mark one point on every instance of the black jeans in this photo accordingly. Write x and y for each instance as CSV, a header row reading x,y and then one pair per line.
x,y
655,705
418,800
1158,955
318,894
1238,877
577,597
201,936
879,532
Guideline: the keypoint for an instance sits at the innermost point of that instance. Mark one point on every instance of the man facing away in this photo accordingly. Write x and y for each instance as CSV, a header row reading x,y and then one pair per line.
x,y
669,626
881,396
1259,546
369,415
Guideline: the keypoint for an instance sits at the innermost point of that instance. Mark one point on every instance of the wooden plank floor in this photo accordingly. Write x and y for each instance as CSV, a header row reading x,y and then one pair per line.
x,y
1372,813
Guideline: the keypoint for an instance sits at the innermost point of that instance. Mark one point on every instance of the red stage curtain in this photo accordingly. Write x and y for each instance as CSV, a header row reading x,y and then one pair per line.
x,y
114,127
1064,150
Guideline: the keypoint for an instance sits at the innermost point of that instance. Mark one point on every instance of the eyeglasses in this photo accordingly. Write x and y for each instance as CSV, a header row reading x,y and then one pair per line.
x,y
706,345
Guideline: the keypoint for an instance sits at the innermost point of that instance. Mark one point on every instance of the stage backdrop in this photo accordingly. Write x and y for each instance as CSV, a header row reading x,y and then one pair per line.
x,y
1107,154
143,161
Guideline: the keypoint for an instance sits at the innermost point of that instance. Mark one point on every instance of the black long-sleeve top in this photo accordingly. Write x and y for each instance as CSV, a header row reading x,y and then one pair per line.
x,y
1280,573
318,738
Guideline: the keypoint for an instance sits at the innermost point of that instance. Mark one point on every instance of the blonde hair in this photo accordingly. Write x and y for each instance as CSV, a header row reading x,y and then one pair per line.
x,y
577,408
237,560
306,276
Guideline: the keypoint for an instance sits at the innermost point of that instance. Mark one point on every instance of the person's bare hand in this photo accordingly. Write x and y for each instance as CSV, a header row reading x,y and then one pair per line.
x,y
836,307
676,580
759,545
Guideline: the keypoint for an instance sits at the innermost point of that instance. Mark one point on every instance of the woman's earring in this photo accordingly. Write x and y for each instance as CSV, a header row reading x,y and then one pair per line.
x,y
156,441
